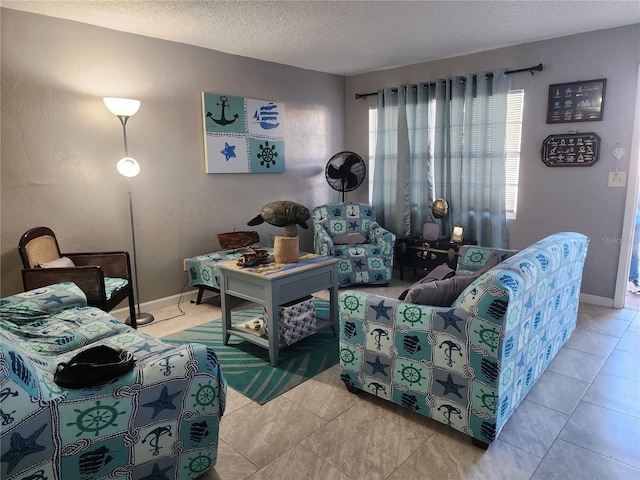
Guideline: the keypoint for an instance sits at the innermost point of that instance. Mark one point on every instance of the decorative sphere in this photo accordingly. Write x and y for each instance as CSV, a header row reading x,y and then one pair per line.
x,y
440,208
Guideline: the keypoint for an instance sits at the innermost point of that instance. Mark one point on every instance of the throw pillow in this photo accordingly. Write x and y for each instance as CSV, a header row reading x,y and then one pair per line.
x,y
350,239
441,272
62,262
439,293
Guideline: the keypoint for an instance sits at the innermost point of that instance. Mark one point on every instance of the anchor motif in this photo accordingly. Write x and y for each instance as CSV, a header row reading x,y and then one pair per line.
x,y
453,347
377,387
222,120
379,333
6,393
165,363
155,438
449,410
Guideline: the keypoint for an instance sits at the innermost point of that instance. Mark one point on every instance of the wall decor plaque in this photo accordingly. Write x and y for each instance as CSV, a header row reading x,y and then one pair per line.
x,y
242,135
576,101
571,150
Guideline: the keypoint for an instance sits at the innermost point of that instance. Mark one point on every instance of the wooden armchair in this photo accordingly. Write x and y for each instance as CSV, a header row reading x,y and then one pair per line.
x,y
104,277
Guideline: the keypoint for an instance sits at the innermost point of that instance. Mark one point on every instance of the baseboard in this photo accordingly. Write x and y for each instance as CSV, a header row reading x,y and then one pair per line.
x,y
596,300
158,303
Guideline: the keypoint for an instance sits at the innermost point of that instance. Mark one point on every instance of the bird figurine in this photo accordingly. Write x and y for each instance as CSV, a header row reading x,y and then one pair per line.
x,y
283,213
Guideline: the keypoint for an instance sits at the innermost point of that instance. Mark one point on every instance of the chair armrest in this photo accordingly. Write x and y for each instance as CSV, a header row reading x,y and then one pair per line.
x,y
382,237
322,241
90,279
114,264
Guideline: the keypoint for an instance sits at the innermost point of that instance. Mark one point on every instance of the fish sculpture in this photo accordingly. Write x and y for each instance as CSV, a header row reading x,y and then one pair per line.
x,y
283,213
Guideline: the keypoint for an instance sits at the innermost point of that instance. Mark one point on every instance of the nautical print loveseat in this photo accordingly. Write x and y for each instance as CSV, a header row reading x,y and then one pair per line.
x,y
158,421
468,365
349,231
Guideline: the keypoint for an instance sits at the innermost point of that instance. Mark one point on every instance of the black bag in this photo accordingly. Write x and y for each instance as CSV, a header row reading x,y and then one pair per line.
x,y
93,366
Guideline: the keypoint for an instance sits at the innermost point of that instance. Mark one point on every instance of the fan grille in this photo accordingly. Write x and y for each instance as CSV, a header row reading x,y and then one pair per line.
x,y
345,172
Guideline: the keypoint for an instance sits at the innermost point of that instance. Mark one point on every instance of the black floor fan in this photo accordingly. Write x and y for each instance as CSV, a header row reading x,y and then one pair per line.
x,y
345,171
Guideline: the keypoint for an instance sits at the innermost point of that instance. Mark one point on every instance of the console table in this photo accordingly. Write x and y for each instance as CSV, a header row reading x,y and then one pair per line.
x,y
272,285
418,253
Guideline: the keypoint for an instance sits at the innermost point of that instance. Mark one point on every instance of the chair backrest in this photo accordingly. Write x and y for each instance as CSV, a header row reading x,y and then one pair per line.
x,y
38,245
344,218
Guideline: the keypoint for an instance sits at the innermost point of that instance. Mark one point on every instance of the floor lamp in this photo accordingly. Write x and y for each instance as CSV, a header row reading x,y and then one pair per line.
x,y
124,108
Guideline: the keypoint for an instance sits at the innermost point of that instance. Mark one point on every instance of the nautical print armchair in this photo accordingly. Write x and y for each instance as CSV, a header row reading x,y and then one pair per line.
x,y
349,232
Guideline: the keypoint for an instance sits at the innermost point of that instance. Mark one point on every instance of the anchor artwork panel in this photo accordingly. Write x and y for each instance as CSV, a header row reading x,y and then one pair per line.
x,y
242,135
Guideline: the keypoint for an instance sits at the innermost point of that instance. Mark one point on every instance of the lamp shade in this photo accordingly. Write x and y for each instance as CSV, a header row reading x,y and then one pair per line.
x,y
128,166
125,107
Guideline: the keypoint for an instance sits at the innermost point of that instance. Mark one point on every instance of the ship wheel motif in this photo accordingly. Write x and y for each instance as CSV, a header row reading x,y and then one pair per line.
x,y
205,395
411,374
489,400
96,418
199,464
267,155
488,336
412,315
351,303
347,357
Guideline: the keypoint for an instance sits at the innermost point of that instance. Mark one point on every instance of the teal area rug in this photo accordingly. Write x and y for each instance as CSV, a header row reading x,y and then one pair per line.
x,y
246,366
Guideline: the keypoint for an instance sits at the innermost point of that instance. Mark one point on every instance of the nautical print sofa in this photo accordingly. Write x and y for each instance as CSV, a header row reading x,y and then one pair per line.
x,y
159,420
349,232
468,365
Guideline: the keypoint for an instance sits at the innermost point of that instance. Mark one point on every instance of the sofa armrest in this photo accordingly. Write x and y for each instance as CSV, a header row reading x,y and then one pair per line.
x,y
322,241
381,237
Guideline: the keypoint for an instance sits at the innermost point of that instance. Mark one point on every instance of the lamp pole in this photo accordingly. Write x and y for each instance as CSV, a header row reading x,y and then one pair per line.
x,y
129,167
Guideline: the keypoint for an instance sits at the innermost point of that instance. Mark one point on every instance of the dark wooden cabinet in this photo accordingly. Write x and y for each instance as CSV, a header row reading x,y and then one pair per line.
x,y
420,254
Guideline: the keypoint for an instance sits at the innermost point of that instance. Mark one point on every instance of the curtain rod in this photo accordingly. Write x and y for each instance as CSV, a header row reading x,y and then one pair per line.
x,y
536,68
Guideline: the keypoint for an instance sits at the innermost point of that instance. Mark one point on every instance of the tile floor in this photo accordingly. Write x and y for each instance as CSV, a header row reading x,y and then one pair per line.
x,y
583,418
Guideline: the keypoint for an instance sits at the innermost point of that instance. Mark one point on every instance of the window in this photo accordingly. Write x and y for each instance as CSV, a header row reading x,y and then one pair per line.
x,y
515,103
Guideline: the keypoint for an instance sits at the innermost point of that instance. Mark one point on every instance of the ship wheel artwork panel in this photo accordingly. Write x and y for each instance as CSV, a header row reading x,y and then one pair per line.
x,y
242,135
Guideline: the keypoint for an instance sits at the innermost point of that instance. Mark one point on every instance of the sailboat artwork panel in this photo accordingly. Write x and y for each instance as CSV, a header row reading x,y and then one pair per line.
x,y
242,135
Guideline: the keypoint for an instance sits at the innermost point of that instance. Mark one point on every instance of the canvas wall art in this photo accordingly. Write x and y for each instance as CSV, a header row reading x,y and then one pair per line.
x,y
242,135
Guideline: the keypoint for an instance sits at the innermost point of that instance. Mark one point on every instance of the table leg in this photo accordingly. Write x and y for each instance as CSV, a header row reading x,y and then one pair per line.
x,y
225,307
271,317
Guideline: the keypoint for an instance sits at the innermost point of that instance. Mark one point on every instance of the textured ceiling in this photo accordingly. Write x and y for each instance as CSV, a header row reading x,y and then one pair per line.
x,y
345,37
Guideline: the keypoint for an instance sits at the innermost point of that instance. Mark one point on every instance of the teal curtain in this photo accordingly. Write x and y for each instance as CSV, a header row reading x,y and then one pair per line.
x,y
444,139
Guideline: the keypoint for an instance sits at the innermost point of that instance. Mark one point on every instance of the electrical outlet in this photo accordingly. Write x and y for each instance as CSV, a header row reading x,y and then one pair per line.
x,y
617,179
185,265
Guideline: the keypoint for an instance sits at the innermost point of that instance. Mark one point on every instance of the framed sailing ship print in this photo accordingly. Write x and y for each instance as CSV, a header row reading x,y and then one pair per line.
x,y
576,101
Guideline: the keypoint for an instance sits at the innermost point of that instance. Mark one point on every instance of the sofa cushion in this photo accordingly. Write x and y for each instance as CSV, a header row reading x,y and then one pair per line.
x,y
439,293
350,239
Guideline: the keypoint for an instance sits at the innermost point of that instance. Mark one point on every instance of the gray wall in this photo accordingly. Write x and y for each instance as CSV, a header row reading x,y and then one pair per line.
x,y
60,144
550,199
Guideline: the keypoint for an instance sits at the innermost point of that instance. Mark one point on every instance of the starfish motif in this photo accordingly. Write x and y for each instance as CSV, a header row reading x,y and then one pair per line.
x,y
450,320
54,298
450,386
157,474
146,347
229,151
164,402
381,310
359,264
378,366
21,447
353,225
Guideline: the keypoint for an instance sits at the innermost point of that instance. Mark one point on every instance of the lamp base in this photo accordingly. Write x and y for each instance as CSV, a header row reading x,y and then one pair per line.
x,y
141,319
